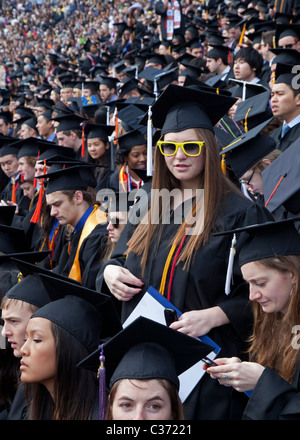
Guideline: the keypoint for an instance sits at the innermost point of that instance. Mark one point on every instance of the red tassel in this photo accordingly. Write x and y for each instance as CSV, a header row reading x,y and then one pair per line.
x,y
34,183
13,193
22,178
37,212
82,140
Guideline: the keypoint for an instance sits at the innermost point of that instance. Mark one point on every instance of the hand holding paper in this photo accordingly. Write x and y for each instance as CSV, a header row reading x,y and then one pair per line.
x,y
118,280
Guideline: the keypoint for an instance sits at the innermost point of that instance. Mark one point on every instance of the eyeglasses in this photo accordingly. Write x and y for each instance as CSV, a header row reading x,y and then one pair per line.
x,y
247,182
114,222
192,149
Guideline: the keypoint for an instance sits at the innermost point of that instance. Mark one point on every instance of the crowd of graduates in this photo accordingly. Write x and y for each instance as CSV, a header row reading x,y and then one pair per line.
x,y
107,108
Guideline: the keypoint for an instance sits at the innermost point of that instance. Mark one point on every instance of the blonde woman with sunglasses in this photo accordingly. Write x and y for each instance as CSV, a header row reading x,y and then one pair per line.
x,y
172,248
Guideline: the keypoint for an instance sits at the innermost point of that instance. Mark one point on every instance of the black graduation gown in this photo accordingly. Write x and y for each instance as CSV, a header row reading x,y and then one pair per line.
x,y
89,255
291,136
199,288
274,399
51,261
22,201
18,409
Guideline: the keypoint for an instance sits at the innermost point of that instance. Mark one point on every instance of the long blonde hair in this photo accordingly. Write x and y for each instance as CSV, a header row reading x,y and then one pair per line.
x,y
271,341
215,186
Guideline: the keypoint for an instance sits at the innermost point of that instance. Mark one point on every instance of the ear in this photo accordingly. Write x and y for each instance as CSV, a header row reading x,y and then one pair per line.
x,y
294,277
297,99
78,197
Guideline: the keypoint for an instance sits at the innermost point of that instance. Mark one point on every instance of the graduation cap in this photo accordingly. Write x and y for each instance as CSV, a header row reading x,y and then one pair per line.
x,y
127,86
74,177
86,314
29,289
12,240
7,117
7,214
246,90
246,150
69,122
286,56
45,102
281,180
26,147
156,58
131,139
130,116
287,30
6,146
254,110
108,81
31,122
267,240
100,131
219,51
146,349
179,108
48,149
91,85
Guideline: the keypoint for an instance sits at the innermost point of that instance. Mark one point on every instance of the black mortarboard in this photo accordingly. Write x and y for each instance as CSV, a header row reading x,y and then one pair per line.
x,y
88,315
108,81
127,86
30,289
246,150
254,110
31,122
218,51
69,122
179,108
114,201
246,90
70,178
146,349
281,178
48,149
267,240
98,131
91,85
131,139
7,117
287,30
157,59
7,214
12,240
26,147
130,116
286,56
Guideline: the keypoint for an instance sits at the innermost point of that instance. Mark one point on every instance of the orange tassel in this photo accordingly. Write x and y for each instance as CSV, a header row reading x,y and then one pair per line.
x,y
242,34
37,212
223,164
13,193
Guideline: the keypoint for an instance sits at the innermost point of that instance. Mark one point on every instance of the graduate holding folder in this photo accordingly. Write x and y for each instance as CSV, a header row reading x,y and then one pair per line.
x,y
178,255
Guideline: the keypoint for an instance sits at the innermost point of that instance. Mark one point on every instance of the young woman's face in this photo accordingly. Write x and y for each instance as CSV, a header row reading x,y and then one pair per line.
x,y
185,168
137,157
141,400
38,363
97,148
116,224
269,287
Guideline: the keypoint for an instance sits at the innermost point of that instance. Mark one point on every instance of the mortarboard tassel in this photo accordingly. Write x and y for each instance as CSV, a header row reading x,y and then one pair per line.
x,y
13,192
274,42
116,126
275,189
149,143
82,140
22,178
102,381
246,120
37,212
223,164
242,34
230,266
107,115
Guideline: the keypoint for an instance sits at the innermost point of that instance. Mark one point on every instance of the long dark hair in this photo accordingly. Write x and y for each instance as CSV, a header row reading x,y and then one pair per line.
x,y
75,389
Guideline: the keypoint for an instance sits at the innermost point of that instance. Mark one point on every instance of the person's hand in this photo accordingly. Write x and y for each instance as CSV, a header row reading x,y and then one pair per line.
x,y
117,279
232,372
199,322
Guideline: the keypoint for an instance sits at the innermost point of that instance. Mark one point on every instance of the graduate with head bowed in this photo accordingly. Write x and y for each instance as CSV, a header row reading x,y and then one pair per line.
x,y
270,264
71,196
58,336
141,365
172,248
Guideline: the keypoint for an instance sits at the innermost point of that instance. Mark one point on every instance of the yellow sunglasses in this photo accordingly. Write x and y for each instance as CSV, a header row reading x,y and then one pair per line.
x,y
192,149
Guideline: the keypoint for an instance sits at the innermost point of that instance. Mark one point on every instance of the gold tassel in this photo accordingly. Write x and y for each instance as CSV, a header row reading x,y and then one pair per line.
x,y
223,164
